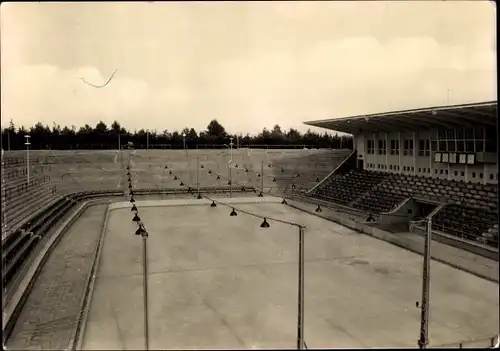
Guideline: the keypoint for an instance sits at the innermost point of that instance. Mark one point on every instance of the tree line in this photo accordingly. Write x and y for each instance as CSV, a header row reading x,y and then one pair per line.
x,y
214,136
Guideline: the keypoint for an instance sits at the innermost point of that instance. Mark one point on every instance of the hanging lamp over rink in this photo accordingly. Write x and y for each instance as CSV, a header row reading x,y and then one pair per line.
x,y
141,231
264,224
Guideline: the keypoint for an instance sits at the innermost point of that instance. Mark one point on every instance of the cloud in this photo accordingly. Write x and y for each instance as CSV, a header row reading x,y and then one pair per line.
x,y
323,79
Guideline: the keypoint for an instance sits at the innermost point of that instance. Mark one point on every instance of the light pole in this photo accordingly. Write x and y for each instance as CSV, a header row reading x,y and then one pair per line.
x,y
424,316
27,143
183,140
300,322
230,164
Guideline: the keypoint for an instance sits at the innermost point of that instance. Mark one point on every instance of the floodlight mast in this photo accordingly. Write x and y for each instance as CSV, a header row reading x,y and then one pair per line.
x,y
423,340
230,165
27,143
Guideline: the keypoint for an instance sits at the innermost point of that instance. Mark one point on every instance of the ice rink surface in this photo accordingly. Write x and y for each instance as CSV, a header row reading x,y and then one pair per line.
x,y
217,281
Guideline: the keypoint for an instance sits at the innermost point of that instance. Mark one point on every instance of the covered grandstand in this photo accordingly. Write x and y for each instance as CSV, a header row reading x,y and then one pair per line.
x,y
438,163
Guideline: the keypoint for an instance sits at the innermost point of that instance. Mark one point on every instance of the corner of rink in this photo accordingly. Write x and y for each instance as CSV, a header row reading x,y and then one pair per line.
x,y
195,202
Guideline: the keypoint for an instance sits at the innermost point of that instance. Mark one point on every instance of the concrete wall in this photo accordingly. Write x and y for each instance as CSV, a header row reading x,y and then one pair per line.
x,y
406,212
469,262
453,241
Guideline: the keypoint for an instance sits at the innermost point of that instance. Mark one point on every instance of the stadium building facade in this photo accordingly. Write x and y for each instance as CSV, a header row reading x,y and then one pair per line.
x,y
438,163
453,142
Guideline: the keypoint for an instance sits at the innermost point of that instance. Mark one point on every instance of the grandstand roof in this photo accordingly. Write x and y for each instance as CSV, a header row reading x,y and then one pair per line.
x,y
457,116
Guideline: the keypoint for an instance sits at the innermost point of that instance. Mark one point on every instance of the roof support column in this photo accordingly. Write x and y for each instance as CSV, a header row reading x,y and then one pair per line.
x,y
430,152
399,151
386,153
484,150
484,138
375,149
414,154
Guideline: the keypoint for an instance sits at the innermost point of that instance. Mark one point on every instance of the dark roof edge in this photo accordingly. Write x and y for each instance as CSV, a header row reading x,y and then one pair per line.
x,y
449,107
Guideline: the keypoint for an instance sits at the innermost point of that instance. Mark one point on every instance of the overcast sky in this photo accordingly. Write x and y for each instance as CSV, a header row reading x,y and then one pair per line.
x,y
248,64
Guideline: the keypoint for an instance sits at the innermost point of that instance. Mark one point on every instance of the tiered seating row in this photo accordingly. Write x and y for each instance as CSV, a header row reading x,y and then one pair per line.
x,y
19,187
466,222
471,210
398,186
30,199
381,199
344,188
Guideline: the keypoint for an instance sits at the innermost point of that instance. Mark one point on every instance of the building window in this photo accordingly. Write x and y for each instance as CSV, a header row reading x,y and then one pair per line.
x,y
412,169
473,174
462,174
394,147
424,147
491,176
481,175
455,173
382,147
419,170
436,171
370,146
446,171
440,171
408,147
